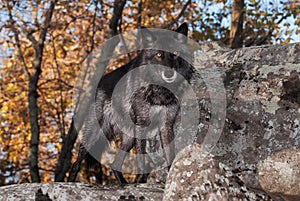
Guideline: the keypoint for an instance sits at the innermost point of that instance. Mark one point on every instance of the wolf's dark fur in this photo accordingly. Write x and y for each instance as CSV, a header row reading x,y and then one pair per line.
x,y
141,102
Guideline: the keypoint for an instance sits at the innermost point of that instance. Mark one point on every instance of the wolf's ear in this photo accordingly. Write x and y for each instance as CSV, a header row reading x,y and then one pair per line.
x,y
147,37
182,29
183,32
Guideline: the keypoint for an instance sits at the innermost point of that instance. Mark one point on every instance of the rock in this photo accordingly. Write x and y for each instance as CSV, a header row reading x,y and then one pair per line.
x,y
258,116
78,191
279,175
196,175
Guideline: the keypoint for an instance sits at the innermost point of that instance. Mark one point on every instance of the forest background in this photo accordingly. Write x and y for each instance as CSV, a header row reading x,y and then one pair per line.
x,y
44,43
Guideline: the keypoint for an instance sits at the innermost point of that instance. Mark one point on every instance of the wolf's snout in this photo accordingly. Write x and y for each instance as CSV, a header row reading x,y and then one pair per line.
x,y
169,76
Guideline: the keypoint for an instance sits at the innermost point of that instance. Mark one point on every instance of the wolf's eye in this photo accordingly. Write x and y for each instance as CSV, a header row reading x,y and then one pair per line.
x,y
176,53
158,54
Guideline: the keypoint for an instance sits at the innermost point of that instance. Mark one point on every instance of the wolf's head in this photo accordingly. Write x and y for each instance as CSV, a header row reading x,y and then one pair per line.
x,y
169,49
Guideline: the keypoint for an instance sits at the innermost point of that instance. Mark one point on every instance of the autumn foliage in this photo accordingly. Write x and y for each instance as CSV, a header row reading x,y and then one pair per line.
x,y
73,31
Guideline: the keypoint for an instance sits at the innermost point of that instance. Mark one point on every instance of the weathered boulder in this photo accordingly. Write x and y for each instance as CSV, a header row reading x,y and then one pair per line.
x,y
279,175
262,118
196,175
79,191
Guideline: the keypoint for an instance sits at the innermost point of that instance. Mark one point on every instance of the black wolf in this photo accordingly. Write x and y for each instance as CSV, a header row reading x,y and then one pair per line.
x,y
146,100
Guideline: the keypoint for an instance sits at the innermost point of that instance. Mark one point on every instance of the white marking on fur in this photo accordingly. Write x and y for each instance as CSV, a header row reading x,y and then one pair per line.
x,y
169,79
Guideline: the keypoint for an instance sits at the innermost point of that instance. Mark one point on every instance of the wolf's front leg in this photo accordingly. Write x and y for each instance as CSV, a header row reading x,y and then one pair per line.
x,y
141,177
140,115
167,134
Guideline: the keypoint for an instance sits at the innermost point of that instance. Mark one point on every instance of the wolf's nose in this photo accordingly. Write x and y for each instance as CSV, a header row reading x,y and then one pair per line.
x,y
169,73
169,76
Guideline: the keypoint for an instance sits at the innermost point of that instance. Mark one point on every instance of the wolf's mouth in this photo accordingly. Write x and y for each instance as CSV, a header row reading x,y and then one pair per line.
x,y
169,76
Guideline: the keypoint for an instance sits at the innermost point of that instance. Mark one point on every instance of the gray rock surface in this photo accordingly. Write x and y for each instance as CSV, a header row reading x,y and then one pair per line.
x,y
79,191
196,175
279,175
262,119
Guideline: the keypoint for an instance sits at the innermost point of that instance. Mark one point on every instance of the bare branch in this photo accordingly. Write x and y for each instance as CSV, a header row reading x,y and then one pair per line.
x,y
34,13
28,32
60,116
19,17
47,21
254,41
16,36
93,33
41,84
271,29
94,28
168,26
283,18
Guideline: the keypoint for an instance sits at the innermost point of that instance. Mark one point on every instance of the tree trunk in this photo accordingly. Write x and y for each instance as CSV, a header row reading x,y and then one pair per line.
x,y
65,156
237,18
33,97
64,160
34,124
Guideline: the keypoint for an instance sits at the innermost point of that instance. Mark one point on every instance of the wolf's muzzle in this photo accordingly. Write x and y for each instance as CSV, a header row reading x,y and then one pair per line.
x,y
169,76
